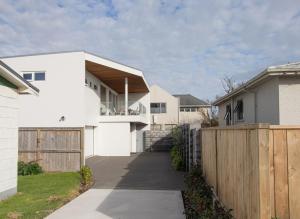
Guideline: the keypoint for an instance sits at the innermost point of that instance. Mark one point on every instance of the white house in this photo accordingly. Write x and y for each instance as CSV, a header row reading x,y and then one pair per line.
x,y
164,107
11,85
192,109
270,97
109,100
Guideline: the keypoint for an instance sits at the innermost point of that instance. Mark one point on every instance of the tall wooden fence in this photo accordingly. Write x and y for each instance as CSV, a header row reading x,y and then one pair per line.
x,y
55,149
254,169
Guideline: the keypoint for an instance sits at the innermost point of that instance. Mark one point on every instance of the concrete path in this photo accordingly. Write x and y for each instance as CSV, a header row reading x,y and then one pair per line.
x,y
140,186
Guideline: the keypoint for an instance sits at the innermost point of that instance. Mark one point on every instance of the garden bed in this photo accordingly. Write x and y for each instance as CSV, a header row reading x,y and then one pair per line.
x,y
199,200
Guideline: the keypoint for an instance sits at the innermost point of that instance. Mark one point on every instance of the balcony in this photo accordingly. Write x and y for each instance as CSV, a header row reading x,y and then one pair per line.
x,y
117,108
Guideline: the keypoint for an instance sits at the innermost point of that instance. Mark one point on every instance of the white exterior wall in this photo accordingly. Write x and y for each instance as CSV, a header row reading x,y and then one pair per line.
x,y
261,104
9,107
92,100
267,102
113,139
159,95
61,94
192,117
289,101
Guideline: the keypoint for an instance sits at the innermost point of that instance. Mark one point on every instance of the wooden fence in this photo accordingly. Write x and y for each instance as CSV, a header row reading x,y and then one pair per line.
x,y
254,169
55,149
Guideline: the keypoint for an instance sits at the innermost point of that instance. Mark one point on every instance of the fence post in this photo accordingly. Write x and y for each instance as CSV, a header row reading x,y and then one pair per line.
x,y
82,160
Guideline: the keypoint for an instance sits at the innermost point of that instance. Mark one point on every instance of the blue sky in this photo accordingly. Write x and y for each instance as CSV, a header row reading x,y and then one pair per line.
x,y
185,46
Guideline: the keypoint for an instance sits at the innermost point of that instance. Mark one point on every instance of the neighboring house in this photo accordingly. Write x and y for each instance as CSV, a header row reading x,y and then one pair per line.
x,y
110,101
164,107
192,109
11,85
270,97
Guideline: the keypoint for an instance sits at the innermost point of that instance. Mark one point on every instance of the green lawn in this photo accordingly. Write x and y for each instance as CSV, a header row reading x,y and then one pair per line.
x,y
39,195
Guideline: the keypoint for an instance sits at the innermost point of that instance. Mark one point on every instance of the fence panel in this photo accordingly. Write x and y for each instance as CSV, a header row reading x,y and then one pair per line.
x,y
254,169
55,149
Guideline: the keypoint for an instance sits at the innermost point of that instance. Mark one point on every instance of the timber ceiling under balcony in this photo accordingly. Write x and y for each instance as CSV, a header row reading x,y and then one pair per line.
x,y
115,78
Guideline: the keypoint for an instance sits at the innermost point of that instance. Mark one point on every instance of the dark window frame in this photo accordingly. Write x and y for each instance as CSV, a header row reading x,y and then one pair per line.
x,y
228,116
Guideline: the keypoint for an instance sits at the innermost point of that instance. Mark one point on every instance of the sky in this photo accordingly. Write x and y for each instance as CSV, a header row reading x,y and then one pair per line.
x,y
184,46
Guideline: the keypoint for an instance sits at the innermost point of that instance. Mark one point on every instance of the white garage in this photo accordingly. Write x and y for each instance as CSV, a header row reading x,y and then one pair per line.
x,y
11,84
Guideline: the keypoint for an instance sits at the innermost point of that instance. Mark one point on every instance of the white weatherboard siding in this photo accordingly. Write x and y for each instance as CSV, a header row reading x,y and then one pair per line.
x,y
159,95
289,101
8,141
113,139
61,94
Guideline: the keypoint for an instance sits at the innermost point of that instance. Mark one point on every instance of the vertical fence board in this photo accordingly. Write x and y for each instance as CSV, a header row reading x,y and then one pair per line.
x,y
272,172
293,139
281,174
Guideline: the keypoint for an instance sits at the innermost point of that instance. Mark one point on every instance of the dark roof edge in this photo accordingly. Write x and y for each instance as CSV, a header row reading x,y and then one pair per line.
x,y
18,76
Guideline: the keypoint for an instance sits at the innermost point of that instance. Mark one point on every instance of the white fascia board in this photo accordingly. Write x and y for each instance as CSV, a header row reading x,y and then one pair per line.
x,y
109,63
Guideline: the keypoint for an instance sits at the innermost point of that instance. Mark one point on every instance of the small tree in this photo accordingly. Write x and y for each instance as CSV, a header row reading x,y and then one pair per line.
x,y
228,84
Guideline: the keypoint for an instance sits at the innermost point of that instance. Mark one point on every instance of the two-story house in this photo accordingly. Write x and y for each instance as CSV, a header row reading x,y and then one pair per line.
x,y
109,100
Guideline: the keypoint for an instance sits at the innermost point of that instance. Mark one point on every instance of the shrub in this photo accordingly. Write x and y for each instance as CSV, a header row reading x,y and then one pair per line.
x,y
86,176
176,159
31,168
199,200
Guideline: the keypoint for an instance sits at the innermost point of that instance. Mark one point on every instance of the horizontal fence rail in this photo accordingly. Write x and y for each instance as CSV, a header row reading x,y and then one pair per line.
x,y
55,149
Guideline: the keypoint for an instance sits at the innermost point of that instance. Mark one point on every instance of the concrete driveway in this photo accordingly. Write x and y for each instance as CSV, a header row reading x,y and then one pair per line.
x,y
140,186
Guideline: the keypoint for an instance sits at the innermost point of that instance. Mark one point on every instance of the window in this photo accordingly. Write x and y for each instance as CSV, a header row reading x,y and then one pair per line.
x,y
158,108
90,84
27,76
39,76
227,116
86,82
239,110
95,87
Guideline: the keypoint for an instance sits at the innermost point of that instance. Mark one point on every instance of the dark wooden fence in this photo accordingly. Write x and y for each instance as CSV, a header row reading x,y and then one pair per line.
x,y
55,149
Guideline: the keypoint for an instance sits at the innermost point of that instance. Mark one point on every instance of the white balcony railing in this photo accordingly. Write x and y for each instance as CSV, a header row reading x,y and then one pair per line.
x,y
118,109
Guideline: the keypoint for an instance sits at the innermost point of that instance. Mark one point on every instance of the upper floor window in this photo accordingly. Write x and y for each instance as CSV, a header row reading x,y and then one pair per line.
x,y
158,108
27,76
34,76
39,76
239,109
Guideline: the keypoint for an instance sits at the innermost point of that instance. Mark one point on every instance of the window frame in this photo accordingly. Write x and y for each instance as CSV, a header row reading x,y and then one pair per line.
x,y
28,73
159,107
228,116
239,110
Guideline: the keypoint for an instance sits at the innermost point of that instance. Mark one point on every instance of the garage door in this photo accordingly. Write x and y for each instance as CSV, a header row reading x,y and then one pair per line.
x,y
89,141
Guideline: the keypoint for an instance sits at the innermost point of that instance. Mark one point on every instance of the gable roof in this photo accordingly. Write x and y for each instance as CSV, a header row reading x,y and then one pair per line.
x,y
278,70
12,76
189,100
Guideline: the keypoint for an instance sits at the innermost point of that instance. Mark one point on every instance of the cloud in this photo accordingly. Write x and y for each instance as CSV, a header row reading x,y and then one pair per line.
x,y
184,46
